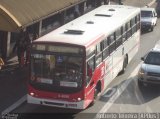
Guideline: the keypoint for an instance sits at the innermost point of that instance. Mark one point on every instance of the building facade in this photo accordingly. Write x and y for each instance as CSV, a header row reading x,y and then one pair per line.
x,y
45,24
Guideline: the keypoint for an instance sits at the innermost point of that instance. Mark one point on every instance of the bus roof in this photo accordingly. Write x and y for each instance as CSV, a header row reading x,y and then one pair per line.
x,y
86,29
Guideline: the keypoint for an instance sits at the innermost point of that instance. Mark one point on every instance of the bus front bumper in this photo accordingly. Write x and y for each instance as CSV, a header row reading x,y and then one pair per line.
x,y
56,103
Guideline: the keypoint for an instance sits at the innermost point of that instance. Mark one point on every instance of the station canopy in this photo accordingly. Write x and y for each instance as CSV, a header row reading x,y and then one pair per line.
x,y
16,14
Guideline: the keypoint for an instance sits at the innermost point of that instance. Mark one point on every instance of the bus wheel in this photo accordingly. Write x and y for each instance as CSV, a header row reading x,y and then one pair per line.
x,y
152,28
125,62
97,90
95,97
140,84
95,94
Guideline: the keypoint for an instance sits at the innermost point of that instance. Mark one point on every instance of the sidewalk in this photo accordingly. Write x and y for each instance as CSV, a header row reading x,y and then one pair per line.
x,y
13,80
10,65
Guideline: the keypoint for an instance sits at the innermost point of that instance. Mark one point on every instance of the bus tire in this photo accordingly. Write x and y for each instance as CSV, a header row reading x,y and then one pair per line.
x,y
125,62
97,90
140,84
94,98
152,28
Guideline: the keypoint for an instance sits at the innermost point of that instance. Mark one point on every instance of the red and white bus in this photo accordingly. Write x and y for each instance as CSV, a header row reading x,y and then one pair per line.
x,y
74,63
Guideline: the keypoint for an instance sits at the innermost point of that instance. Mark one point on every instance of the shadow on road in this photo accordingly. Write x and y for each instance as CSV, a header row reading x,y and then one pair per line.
x,y
133,94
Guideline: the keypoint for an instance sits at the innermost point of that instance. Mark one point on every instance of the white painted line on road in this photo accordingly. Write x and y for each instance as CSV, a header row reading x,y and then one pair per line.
x,y
120,90
15,105
151,3
113,90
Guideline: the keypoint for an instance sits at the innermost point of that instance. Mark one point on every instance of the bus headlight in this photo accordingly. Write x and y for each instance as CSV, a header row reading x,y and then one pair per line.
x,y
32,94
79,99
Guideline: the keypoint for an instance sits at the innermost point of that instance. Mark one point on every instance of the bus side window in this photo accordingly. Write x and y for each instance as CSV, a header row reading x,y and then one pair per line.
x,y
138,21
128,29
106,49
118,37
90,69
99,49
124,37
134,25
112,43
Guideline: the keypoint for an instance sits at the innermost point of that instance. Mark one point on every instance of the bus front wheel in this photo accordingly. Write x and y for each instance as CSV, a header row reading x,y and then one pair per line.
x,y
97,90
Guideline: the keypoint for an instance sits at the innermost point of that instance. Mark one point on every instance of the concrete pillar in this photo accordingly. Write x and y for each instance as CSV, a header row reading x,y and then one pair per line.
x,y
3,45
8,44
40,28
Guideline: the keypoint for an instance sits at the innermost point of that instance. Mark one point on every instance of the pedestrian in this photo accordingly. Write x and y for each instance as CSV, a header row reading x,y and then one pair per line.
x,y
27,47
20,48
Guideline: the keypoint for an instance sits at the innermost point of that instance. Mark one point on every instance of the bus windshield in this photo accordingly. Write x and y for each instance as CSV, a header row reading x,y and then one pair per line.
x,y
56,71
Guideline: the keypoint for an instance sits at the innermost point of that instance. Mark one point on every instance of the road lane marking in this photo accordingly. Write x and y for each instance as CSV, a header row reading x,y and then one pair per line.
x,y
109,92
120,90
15,105
151,3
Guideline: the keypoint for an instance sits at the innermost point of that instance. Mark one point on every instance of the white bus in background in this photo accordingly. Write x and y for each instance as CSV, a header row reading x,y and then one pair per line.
x,y
72,64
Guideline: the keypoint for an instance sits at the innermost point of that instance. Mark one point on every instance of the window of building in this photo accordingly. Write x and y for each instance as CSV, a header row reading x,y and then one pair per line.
x,y
51,23
88,5
69,14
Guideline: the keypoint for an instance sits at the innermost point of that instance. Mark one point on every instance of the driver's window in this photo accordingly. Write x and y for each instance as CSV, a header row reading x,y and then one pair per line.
x,y
90,69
